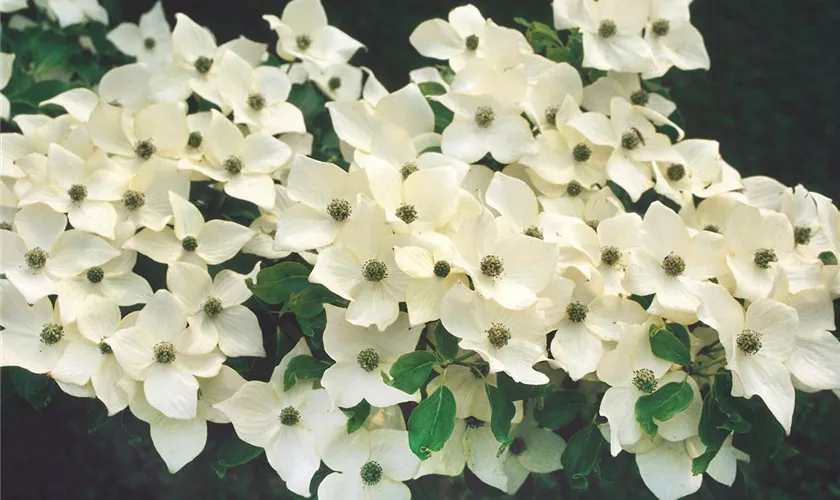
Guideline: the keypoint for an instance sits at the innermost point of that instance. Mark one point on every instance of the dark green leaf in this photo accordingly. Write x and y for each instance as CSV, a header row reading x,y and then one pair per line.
x,y
443,116
308,99
276,283
610,468
581,454
559,408
411,370
234,453
432,88
358,415
711,420
310,302
516,391
666,345
766,436
502,412
431,423
303,367
35,388
446,344
663,404
701,463
828,258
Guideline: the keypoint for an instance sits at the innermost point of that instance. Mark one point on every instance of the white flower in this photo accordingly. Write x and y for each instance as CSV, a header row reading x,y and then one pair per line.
x,y
339,82
126,87
813,364
215,311
370,465
41,253
192,240
157,351
468,386
150,41
292,425
431,274
145,201
70,12
459,40
6,63
450,460
265,227
13,5
557,89
665,468
361,356
612,38
673,40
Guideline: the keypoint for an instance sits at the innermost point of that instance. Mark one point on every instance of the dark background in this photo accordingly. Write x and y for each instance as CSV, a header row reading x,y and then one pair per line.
x,y
770,99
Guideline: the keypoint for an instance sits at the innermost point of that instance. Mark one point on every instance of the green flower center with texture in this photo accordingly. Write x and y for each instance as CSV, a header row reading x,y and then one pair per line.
x,y
256,101
471,43
212,307
95,274
581,152
473,423
442,269
195,140
551,114
577,312
712,228
145,149
644,380
51,334
189,244
406,213
610,255
334,83
105,349
498,335
149,43
764,257
661,27
303,42
368,359
517,447
77,193
233,165
36,258
203,65
408,169
133,200
749,341
802,235
492,266
5,226
371,473
630,140
607,28
640,98
374,270
289,416
574,188
675,172
339,209
673,265
164,352
593,224
484,116
534,232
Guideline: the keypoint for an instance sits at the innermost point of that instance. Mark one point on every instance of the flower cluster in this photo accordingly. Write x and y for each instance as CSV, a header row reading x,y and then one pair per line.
x,y
520,240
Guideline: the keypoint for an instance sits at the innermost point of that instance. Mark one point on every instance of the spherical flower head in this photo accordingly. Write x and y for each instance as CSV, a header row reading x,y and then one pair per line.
x,y
607,29
189,244
374,270
764,257
407,169
406,213
534,232
368,359
77,193
195,139
492,266
576,312
484,116
471,43
749,341
498,335
51,334
371,473
145,149
149,43
339,209
133,200
212,307
334,83
95,274
610,255
289,416
640,98
802,235
303,42
203,65
36,258
630,140
581,152
661,27
644,380
233,165
164,352
517,447
551,114
105,349
673,265
442,268
574,188
675,172
256,101
473,423
712,228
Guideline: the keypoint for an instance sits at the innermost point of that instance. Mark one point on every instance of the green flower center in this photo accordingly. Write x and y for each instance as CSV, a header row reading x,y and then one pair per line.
x,y
52,334
576,312
534,232
675,172
212,307
406,213
334,83
644,380
233,165
574,188
105,349
492,266
36,258
95,274
203,65
339,209
484,116
498,335
189,244
607,28
749,341
661,27
673,265
471,43
371,473
630,140
408,169
133,200
303,42
640,98
442,269
77,193
551,115
256,101
610,255
368,359
145,149
474,423
764,257
712,228
517,447
164,352
802,235
195,140
581,152
149,43
289,416
374,270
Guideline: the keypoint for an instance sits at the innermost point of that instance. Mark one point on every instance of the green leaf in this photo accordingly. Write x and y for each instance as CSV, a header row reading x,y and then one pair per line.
x,y
308,99
276,283
663,404
559,408
411,370
432,88
667,345
35,388
711,420
303,367
581,454
734,408
431,423
828,258
234,453
310,302
766,436
502,412
701,463
358,415
446,344
443,115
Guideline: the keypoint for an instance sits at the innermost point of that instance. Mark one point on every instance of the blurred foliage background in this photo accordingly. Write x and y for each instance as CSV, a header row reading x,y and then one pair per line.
x,y
771,101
